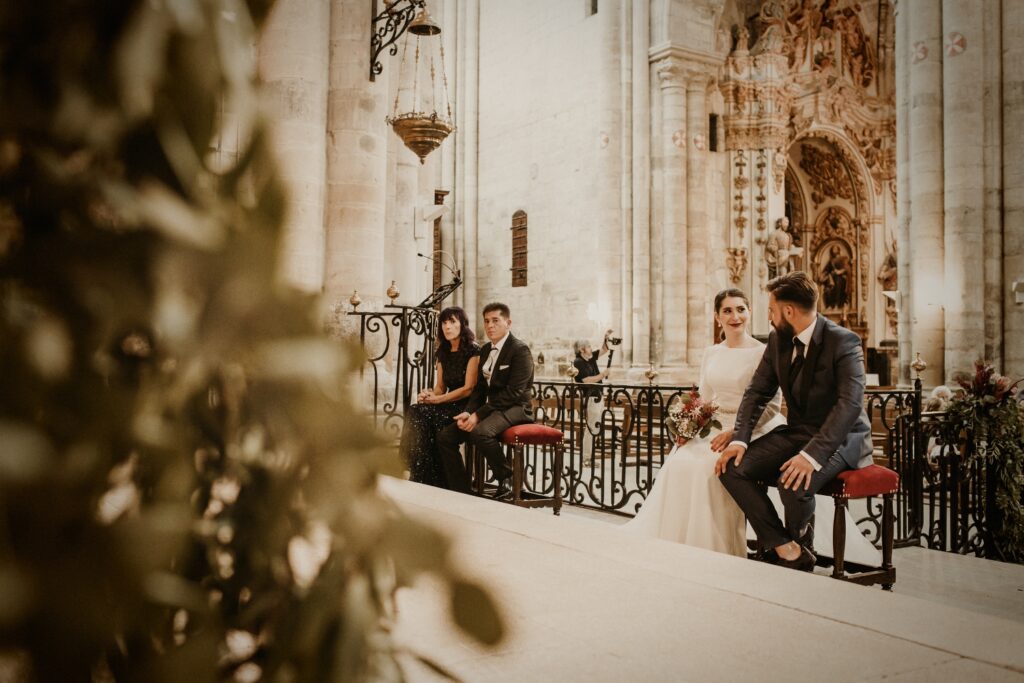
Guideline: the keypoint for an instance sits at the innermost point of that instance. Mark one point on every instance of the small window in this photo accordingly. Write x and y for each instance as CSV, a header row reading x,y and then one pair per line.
x,y
519,249
713,133
591,7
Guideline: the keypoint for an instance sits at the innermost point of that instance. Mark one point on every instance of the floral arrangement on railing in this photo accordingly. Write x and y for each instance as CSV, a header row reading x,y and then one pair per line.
x,y
988,416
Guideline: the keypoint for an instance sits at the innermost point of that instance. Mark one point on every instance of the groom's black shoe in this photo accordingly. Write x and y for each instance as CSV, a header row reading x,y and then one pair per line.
x,y
805,562
504,489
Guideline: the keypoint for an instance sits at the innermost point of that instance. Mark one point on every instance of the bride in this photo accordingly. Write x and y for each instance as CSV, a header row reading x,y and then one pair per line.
x,y
688,504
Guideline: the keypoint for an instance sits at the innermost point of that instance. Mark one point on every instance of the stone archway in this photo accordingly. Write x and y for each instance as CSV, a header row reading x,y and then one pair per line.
x,y
829,203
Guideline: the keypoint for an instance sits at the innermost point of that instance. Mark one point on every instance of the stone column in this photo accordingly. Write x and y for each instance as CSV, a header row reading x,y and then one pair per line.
x,y
400,246
993,210
466,202
293,50
964,184
926,193
903,54
640,330
356,161
670,295
449,27
1013,185
625,320
698,237
608,100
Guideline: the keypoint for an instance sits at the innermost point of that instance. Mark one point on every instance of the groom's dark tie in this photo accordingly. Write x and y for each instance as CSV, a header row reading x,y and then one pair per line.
x,y
798,363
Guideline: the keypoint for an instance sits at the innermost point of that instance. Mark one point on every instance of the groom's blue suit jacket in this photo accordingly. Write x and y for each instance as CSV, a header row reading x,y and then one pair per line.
x,y
829,393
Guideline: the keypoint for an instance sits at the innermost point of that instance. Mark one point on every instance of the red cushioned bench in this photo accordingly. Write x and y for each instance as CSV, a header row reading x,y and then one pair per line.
x,y
516,438
867,482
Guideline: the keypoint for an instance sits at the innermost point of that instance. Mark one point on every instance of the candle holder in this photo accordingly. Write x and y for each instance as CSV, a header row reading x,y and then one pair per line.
x,y
393,292
354,300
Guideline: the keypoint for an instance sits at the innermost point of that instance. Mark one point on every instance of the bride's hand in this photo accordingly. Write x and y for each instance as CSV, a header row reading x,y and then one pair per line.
x,y
681,440
723,439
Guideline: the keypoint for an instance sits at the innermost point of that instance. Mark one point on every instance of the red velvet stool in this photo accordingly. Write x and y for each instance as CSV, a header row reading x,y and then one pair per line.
x,y
870,481
535,435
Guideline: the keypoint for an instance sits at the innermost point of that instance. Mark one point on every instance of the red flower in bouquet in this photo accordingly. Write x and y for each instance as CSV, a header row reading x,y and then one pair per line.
x,y
692,416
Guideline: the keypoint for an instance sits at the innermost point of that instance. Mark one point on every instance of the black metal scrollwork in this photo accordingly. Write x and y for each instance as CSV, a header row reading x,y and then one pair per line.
x,y
388,27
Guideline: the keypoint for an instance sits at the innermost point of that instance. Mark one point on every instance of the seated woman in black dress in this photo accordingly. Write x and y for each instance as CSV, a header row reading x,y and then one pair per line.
x,y
457,366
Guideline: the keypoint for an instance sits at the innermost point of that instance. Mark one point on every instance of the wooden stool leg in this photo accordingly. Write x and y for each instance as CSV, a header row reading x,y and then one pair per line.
x,y
517,473
887,539
839,538
557,472
479,469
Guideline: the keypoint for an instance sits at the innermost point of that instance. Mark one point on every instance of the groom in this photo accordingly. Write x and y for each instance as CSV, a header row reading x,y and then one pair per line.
x,y
820,368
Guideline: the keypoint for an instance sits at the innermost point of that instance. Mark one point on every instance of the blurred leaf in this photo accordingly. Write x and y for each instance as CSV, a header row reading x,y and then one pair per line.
x,y
475,613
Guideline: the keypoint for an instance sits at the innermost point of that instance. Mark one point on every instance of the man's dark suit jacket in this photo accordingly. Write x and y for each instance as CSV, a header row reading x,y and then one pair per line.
x,y
829,393
508,390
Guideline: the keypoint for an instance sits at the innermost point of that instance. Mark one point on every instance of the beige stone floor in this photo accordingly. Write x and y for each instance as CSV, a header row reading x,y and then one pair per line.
x,y
964,581
584,602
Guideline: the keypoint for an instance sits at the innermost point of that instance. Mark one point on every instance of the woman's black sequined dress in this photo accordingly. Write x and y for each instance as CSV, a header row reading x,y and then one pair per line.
x,y
423,421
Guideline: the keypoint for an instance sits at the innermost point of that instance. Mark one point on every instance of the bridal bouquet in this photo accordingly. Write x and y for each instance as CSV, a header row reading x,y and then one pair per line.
x,y
691,417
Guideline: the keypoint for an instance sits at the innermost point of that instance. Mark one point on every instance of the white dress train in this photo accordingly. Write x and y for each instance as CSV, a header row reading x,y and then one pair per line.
x,y
688,504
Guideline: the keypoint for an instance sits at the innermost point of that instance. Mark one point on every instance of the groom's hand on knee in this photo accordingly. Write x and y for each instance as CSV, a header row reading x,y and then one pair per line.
x,y
796,472
732,452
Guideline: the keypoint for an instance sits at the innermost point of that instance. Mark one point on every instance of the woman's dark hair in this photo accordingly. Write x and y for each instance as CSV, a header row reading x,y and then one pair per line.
x,y
727,293
466,335
794,288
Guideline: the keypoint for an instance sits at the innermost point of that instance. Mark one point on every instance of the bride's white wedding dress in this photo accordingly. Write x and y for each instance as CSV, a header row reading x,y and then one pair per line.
x,y
688,504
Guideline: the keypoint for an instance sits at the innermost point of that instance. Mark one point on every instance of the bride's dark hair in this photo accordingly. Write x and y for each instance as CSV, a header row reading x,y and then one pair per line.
x,y
731,292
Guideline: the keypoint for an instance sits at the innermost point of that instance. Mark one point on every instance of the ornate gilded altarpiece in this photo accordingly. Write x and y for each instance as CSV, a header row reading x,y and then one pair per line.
x,y
810,127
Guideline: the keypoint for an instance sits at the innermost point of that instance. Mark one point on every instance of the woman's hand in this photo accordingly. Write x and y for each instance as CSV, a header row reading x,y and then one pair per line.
x,y
681,440
425,396
723,439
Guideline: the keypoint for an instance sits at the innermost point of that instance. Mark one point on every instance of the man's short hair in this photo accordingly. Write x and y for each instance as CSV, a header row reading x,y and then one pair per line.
x,y
500,307
794,288
579,344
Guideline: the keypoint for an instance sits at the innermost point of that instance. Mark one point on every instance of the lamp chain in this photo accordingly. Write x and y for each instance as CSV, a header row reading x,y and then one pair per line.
x,y
444,77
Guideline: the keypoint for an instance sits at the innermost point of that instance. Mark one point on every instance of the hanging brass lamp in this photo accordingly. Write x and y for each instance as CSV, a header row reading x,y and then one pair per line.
x,y
424,125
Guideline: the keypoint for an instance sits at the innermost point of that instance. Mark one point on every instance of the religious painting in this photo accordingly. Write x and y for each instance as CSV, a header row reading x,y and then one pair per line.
x,y
835,274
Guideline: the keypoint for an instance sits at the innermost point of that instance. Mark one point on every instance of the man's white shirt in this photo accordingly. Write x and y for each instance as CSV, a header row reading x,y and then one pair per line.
x,y
492,357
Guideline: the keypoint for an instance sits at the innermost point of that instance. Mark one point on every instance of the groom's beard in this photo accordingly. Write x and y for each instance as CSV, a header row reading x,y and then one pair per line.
x,y
785,329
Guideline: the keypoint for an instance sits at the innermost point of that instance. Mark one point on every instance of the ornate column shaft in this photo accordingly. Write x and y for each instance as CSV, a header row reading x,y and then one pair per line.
x,y
904,180
1013,186
641,191
293,47
356,163
698,327
926,193
963,184
670,293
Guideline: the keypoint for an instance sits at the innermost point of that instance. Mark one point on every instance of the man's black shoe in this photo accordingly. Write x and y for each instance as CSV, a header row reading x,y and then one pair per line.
x,y
504,489
805,562
770,556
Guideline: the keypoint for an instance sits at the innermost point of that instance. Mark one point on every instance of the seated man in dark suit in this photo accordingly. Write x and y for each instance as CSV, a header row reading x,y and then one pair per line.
x,y
501,399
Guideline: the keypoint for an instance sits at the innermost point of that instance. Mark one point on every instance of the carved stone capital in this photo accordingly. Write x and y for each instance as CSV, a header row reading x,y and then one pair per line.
x,y
671,73
698,76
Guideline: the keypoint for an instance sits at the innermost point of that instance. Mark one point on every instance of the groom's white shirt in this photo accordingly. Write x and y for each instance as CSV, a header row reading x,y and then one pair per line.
x,y
804,336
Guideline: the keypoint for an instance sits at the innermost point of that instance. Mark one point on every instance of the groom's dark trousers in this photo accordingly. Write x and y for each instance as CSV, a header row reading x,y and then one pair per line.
x,y
826,420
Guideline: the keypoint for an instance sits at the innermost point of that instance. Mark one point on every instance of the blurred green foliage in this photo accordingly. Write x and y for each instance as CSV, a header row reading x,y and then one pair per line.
x,y
184,493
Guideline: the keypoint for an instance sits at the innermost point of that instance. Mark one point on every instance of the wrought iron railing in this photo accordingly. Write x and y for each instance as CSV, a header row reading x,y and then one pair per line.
x,y
616,440
894,415
956,504
400,343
